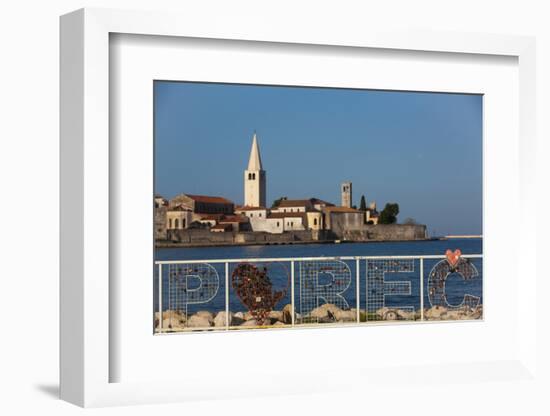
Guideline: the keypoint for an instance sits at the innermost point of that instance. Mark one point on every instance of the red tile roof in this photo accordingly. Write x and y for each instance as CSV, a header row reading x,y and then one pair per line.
x,y
209,199
233,218
294,203
209,217
247,208
320,201
224,227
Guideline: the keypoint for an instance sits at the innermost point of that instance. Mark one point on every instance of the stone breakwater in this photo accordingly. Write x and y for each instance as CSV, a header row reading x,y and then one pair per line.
x,y
327,313
347,232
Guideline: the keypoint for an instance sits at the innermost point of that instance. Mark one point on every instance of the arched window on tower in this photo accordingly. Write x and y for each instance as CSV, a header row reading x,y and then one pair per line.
x,y
249,176
253,176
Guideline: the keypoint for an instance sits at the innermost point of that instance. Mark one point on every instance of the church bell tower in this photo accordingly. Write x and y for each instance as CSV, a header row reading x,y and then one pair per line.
x,y
254,178
347,197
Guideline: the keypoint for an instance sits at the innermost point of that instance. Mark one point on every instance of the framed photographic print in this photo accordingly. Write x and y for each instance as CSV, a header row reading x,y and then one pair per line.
x,y
265,209
308,256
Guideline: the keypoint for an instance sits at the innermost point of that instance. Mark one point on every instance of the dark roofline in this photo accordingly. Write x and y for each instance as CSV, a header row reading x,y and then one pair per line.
x,y
247,208
343,209
293,203
287,215
212,199
178,208
320,201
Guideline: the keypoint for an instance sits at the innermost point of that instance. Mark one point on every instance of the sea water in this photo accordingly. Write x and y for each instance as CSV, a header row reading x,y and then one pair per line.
x,y
279,273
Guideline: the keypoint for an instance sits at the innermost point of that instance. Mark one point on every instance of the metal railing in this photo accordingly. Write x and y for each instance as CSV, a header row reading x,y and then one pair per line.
x,y
189,292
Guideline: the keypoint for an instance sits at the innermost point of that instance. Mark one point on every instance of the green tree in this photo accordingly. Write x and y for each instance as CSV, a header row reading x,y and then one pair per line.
x,y
363,204
410,221
389,213
277,202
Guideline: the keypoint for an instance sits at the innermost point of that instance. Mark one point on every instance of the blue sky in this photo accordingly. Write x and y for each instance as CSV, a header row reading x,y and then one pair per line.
x,y
421,150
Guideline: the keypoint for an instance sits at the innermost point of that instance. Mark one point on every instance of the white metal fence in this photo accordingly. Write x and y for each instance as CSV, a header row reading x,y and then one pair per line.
x,y
365,274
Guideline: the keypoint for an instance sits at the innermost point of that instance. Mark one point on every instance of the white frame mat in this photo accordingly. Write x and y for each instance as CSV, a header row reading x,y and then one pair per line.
x,y
87,301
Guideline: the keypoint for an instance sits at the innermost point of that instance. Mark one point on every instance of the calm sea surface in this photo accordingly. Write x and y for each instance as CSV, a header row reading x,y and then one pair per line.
x,y
279,272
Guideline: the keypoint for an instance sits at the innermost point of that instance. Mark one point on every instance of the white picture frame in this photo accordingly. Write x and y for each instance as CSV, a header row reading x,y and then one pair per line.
x,y
86,353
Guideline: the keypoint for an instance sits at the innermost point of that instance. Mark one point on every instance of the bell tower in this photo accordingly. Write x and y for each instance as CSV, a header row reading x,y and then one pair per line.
x,y
254,178
347,199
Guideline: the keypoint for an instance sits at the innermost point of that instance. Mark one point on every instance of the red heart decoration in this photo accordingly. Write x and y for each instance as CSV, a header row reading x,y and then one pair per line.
x,y
453,257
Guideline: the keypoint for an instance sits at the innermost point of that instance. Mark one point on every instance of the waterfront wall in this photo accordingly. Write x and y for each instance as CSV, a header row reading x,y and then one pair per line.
x,y
351,227
362,233
160,223
197,237
386,232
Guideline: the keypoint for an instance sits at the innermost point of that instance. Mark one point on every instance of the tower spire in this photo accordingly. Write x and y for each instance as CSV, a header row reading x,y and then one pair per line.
x,y
254,178
255,161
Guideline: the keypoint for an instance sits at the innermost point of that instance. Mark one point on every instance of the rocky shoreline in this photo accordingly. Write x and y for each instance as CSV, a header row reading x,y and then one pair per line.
x,y
327,313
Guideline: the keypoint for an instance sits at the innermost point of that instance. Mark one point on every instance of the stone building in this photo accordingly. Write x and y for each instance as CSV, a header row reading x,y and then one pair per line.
x,y
230,222
371,214
289,215
293,205
160,201
236,222
221,228
315,220
339,218
259,220
263,219
178,218
203,205
253,213
290,221
210,220
319,204
214,218
160,209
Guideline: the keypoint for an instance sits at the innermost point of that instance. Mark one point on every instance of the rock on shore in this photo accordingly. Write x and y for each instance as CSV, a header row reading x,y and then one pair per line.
x,y
393,314
171,319
327,313
440,313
